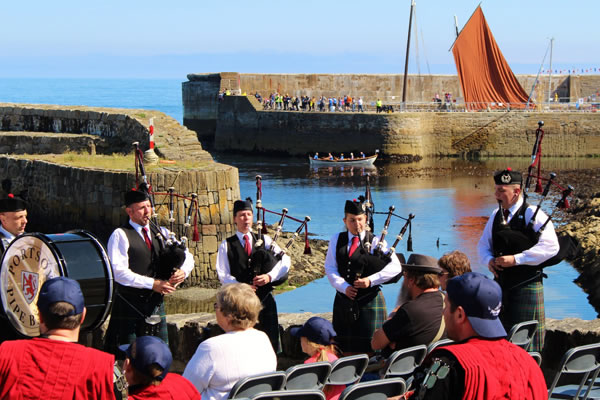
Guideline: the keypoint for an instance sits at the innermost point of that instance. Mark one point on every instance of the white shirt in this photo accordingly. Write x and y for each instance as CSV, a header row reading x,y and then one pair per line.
x,y
117,248
9,236
392,269
220,361
544,249
224,271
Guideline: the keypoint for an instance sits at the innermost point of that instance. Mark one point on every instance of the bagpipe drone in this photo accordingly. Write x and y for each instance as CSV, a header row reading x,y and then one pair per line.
x,y
379,258
263,260
172,251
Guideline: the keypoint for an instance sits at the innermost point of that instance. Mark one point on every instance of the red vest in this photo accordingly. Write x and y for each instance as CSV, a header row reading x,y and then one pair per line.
x,y
497,369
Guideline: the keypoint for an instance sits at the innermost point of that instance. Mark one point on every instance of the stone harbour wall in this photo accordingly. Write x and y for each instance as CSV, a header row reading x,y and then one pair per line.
x,y
241,126
114,129
62,198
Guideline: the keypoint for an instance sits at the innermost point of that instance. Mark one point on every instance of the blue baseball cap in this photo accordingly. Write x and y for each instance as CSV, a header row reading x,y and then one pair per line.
x,y
317,330
61,289
148,350
481,298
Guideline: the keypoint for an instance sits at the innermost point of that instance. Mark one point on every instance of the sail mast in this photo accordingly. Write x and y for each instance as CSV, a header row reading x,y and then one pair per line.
x,y
412,5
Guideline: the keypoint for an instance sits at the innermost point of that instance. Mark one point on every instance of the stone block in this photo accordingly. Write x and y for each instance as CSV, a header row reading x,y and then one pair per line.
x,y
209,230
204,215
209,244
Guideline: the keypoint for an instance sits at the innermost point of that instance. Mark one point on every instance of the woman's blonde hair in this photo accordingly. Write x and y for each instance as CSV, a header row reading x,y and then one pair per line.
x,y
321,349
239,304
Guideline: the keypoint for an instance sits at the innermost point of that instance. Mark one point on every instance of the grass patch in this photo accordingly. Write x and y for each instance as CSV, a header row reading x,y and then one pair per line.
x,y
113,162
141,115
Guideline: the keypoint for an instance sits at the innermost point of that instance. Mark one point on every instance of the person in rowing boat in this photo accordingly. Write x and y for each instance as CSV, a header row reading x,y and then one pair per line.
x,y
362,155
518,271
330,156
316,157
359,306
342,156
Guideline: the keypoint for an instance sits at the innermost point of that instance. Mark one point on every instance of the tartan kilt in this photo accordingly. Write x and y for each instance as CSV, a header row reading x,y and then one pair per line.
x,y
522,304
268,321
126,323
354,336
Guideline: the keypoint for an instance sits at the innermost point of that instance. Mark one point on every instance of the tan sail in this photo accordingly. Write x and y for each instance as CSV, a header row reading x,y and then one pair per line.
x,y
485,77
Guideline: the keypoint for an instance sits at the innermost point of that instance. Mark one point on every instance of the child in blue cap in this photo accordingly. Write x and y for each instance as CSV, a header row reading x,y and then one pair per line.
x,y
317,341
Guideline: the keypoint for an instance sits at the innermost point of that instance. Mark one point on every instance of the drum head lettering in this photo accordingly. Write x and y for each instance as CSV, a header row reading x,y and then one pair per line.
x,y
27,263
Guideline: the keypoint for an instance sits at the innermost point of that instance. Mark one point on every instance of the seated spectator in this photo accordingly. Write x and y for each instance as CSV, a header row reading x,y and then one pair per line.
x,y
146,369
317,338
482,364
54,365
419,319
220,361
453,264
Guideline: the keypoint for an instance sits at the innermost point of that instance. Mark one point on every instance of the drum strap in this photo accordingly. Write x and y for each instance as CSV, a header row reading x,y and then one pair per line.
x,y
134,308
438,336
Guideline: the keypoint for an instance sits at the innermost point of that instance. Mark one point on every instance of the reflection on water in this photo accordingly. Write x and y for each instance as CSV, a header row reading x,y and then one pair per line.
x,y
450,198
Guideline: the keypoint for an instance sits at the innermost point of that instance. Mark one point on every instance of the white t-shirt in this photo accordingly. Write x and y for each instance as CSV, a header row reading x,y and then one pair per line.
x,y
219,362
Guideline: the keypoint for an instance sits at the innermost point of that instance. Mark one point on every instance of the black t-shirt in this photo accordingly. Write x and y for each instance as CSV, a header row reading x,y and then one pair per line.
x,y
416,322
440,377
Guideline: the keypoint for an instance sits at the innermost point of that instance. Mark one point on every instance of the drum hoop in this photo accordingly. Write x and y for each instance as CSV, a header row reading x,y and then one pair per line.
x,y
53,250
62,269
111,292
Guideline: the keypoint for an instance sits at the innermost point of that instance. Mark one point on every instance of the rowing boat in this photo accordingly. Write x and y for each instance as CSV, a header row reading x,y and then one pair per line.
x,y
357,162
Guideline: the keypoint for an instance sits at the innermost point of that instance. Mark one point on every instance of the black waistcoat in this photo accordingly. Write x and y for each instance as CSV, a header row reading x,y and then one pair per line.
x,y
356,266
239,263
512,239
142,261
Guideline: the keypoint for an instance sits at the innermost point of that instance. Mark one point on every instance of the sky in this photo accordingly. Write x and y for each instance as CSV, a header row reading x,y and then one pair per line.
x,y
160,39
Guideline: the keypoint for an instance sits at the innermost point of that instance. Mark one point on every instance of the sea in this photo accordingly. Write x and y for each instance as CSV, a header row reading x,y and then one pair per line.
x,y
450,208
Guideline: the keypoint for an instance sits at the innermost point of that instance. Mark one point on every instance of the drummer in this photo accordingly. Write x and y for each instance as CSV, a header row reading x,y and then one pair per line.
x,y
359,306
133,250
13,219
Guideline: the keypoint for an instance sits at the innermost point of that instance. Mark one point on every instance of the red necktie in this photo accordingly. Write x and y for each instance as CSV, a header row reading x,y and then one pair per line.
x,y
147,238
247,245
354,246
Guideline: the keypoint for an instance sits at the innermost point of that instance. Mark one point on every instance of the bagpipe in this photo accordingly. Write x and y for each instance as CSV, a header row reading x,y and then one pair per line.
x,y
172,251
513,241
378,258
263,260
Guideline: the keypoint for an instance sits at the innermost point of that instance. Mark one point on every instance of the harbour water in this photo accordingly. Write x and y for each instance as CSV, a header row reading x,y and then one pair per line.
x,y
451,202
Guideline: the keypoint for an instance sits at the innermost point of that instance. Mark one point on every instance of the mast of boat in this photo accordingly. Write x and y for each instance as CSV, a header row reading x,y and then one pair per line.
x,y
412,6
456,25
550,77
537,78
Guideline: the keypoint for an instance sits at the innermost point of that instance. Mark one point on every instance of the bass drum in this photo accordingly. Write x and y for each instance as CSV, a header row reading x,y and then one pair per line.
x,y
33,258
